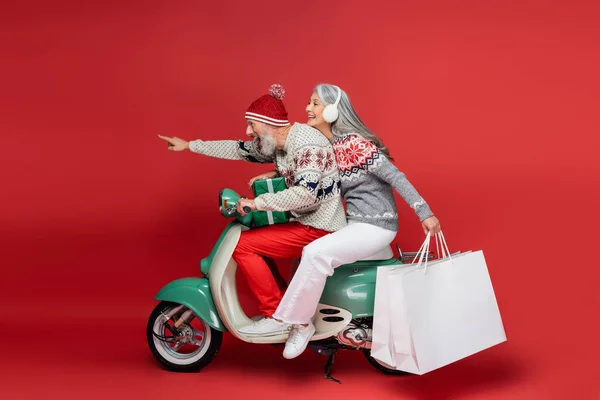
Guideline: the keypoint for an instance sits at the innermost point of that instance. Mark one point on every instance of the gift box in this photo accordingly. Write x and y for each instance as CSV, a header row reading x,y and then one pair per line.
x,y
264,218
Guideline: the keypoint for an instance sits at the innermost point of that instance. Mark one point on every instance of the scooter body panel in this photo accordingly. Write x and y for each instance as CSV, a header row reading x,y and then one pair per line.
x,y
352,286
205,263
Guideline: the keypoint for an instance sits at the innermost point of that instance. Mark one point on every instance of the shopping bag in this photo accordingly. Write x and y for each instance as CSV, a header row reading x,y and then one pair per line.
x,y
439,312
382,343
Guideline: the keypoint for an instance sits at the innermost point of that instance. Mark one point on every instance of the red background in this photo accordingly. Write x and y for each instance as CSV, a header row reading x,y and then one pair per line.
x,y
490,108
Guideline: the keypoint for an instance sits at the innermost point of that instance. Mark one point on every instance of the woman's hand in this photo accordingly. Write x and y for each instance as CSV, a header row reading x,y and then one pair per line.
x,y
267,175
431,224
176,144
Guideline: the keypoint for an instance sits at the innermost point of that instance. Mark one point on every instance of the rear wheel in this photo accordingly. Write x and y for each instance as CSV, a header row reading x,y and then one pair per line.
x,y
188,348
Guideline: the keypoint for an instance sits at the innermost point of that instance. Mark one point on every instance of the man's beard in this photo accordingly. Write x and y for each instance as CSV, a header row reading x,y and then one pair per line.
x,y
268,145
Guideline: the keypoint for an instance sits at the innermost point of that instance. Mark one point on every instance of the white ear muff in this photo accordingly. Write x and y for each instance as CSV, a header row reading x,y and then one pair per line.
x,y
330,113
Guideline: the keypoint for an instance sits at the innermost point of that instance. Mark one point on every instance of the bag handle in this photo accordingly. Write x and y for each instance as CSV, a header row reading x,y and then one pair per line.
x,y
423,253
439,239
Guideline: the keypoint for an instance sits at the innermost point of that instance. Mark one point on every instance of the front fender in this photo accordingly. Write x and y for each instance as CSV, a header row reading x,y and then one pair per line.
x,y
195,294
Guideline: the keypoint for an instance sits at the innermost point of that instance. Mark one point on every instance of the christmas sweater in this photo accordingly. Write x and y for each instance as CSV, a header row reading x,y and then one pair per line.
x,y
367,181
307,162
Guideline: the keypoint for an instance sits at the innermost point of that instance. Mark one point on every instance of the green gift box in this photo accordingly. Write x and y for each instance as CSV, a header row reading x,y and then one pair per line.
x,y
264,218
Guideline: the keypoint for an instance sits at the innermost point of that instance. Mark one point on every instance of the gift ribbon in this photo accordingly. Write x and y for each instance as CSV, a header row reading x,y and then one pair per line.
x,y
270,213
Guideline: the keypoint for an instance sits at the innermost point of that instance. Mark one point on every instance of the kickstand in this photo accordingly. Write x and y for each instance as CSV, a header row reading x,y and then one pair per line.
x,y
328,368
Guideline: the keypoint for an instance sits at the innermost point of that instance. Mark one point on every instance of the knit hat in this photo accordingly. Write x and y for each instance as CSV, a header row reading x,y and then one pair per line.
x,y
269,108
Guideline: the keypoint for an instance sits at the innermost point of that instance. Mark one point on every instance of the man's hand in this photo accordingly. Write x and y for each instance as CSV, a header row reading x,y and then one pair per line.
x,y
245,203
431,224
176,144
267,175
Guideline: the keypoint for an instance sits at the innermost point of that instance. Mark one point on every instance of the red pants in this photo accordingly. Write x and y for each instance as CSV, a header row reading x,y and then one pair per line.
x,y
274,241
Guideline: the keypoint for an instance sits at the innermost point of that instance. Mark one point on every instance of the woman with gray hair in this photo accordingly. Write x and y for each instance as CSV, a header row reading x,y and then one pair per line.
x,y
368,178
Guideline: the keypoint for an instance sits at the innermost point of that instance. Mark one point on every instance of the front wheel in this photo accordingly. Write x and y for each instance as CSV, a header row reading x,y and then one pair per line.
x,y
188,348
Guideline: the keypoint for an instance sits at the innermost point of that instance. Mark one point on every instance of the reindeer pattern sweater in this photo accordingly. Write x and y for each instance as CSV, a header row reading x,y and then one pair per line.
x,y
308,164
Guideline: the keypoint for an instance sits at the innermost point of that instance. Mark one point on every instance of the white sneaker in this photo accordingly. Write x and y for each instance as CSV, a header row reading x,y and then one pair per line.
x,y
299,337
265,327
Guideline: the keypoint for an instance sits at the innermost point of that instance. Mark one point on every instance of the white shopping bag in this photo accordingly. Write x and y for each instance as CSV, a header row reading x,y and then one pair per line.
x,y
438,312
382,344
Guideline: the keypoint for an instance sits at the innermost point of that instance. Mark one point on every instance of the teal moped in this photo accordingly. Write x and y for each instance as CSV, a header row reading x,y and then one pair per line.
x,y
186,328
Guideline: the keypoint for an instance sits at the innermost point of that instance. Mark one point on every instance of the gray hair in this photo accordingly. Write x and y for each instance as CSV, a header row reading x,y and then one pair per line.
x,y
348,120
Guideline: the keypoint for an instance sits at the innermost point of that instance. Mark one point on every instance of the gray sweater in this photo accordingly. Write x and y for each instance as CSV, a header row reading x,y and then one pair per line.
x,y
367,180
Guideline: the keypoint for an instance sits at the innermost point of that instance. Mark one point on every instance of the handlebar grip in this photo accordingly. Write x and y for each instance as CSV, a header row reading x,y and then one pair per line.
x,y
246,209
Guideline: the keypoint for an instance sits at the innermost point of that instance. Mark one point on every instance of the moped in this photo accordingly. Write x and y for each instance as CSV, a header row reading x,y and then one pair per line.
x,y
185,330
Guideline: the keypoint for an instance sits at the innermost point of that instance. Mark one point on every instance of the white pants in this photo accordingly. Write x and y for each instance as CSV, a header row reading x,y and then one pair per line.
x,y
319,258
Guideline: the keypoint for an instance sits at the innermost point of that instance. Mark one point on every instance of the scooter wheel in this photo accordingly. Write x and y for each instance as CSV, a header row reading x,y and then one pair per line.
x,y
196,345
381,366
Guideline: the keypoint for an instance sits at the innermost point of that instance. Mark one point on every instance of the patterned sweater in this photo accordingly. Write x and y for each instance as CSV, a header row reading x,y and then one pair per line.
x,y
307,162
367,181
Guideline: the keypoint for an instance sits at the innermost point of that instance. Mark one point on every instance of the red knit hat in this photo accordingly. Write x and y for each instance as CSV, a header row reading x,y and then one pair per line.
x,y
269,108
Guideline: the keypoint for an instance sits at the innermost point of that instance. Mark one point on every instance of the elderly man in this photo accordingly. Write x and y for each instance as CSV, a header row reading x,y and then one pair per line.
x,y
307,161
